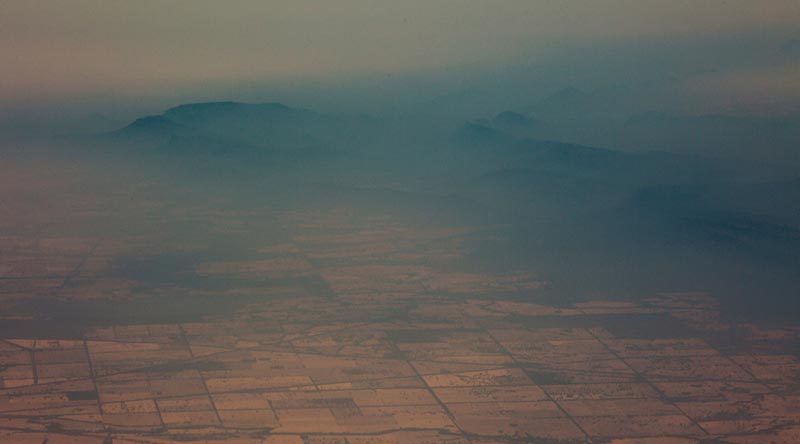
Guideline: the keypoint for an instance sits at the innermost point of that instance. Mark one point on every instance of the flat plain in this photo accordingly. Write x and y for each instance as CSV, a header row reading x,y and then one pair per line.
x,y
129,319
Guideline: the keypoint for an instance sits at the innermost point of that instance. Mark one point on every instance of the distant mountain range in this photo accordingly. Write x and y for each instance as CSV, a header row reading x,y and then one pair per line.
x,y
267,124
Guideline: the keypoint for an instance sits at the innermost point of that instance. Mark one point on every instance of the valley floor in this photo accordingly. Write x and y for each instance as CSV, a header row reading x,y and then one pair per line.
x,y
327,326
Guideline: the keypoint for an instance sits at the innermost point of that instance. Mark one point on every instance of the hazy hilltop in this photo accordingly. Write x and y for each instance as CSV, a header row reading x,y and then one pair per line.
x,y
640,119
266,125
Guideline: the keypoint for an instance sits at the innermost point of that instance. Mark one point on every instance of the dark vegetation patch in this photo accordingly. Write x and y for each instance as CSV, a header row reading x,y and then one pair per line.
x,y
416,336
142,310
176,367
87,395
40,329
640,326
544,377
67,318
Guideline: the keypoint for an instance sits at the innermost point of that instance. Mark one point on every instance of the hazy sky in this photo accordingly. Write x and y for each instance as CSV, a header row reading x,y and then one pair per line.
x,y
68,50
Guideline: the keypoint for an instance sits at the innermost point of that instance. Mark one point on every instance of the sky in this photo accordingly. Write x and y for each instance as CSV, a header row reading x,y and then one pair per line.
x,y
93,51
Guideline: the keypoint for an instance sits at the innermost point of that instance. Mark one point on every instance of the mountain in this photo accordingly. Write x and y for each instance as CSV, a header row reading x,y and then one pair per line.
x,y
226,117
225,128
151,127
488,149
477,133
